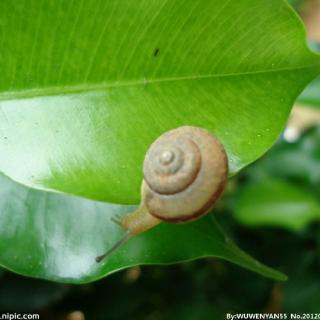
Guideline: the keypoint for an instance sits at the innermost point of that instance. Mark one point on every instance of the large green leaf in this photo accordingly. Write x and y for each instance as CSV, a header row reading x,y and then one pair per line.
x,y
57,237
86,86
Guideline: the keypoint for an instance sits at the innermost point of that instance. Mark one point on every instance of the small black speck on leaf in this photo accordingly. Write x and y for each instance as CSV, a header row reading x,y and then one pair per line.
x,y
156,52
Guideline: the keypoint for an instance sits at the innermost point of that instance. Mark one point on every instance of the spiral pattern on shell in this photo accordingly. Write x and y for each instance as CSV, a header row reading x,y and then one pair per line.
x,y
185,171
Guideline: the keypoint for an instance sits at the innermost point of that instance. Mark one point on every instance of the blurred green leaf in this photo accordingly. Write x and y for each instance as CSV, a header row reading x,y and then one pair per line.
x,y
314,45
298,161
57,237
282,189
311,95
276,203
296,3
303,294
86,86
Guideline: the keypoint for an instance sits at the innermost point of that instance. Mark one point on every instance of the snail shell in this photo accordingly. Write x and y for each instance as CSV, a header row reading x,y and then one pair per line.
x,y
185,172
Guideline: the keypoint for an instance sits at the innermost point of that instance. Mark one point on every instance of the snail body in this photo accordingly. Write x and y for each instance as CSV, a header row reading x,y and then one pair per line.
x,y
185,171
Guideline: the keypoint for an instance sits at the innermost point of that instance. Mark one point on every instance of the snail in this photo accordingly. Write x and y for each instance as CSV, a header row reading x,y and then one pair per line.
x,y
185,171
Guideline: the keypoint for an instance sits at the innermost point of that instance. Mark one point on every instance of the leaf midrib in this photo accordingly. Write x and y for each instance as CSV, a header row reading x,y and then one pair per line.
x,y
65,90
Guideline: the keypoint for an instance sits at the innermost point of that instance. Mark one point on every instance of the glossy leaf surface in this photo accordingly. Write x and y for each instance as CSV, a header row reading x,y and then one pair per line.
x,y
57,237
86,86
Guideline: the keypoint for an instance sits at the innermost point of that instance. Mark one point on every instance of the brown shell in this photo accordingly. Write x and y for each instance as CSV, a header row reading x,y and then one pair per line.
x,y
185,172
